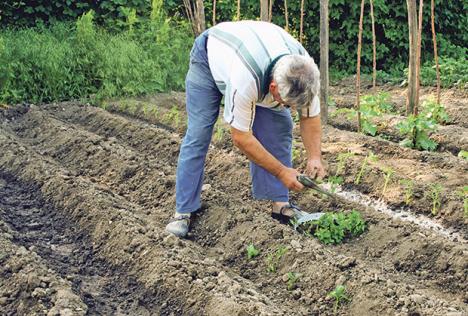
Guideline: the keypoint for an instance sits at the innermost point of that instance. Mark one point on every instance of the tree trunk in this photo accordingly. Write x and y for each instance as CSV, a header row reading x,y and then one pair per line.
x,y
270,11
434,41
196,13
374,48
264,10
418,56
412,99
301,28
238,11
286,27
214,12
358,68
324,61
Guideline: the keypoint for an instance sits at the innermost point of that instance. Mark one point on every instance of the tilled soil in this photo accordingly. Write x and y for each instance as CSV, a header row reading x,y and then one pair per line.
x,y
85,194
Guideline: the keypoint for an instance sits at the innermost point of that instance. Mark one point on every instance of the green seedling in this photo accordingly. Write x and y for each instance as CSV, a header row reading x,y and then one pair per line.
x,y
370,157
252,252
379,102
342,158
463,194
155,112
173,116
434,111
388,175
339,294
434,193
332,228
408,186
416,131
292,280
273,259
295,151
463,154
219,131
334,182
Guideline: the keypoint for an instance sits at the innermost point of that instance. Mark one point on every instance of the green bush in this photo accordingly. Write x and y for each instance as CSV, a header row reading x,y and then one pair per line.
x,y
66,61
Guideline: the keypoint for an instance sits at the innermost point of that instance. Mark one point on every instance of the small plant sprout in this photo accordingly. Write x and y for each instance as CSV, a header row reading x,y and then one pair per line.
x,y
463,194
342,158
436,189
463,154
435,111
369,158
219,131
408,186
388,175
339,294
252,252
334,182
292,280
295,151
273,259
173,116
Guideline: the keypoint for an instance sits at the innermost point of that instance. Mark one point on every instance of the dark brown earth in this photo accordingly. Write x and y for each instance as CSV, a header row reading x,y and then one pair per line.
x,y
85,195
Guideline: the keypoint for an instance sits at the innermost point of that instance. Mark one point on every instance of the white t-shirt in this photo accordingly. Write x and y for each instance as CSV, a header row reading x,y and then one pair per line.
x,y
239,55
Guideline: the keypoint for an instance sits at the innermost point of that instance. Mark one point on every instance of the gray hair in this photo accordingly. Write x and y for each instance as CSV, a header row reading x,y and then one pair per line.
x,y
298,80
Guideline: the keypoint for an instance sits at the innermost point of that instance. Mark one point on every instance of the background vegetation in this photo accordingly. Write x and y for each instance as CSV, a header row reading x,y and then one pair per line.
x,y
50,51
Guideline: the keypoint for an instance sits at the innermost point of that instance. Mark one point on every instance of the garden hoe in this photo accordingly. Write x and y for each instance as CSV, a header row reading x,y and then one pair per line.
x,y
311,184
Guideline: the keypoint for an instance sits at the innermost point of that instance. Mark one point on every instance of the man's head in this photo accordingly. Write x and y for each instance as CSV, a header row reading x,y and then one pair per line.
x,y
296,80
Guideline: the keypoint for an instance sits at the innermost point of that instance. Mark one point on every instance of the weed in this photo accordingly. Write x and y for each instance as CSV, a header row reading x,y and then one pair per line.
x,y
388,175
219,131
339,294
295,151
292,280
415,129
273,259
252,252
408,186
367,159
434,193
463,154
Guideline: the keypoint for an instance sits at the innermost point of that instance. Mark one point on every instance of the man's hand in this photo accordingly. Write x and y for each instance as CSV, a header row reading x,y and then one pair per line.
x,y
289,178
315,169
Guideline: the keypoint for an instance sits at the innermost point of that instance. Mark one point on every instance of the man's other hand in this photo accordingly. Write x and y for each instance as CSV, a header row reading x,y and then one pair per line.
x,y
315,169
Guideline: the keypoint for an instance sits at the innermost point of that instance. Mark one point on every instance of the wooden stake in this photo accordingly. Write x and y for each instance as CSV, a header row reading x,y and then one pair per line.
x,y
324,39
434,41
358,68
264,10
301,28
411,100
286,27
270,11
214,12
418,57
374,48
238,10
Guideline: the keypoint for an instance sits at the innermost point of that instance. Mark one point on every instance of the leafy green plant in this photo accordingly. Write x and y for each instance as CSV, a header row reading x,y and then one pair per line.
x,y
252,252
296,152
434,111
332,228
339,294
371,157
273,259
292,280
342,158
463,154
388,175
434,193
379,102
408,186
219,131
415,129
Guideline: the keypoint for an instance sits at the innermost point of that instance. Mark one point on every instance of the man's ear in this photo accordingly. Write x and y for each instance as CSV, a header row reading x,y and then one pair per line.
x,y
273,87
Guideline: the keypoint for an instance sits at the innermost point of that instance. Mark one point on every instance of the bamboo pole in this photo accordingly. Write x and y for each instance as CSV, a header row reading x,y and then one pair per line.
x,y
324,79
214,12
301,28
418,57
374,47
434,41
411,99
238,10
270,11
358,68
286,27
264,10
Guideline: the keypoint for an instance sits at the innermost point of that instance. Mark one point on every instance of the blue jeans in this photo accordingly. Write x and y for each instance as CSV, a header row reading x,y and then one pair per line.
x,y
272,128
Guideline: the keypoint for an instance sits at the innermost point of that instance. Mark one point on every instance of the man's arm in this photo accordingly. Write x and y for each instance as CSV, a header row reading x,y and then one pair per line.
x,y
311,133
254,150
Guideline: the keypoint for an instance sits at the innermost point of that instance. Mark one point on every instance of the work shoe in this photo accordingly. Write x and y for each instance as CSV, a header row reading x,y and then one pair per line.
x,y
179,225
